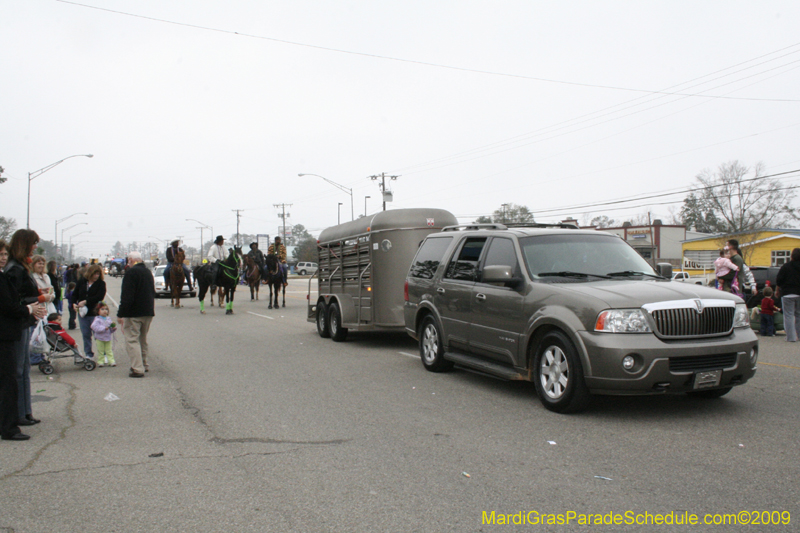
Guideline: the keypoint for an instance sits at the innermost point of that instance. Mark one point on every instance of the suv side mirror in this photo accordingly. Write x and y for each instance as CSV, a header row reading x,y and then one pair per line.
x,y
500,274
665,269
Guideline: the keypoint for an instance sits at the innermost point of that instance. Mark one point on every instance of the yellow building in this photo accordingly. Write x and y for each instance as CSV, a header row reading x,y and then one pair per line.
x,y
763,248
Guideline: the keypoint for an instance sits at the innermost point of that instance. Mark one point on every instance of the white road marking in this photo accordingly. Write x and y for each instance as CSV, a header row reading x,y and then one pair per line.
x,y
112,301
415,356
262,316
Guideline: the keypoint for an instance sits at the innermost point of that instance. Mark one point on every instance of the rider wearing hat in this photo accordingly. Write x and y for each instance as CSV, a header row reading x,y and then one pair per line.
x,y
171,251
280,252
258,258
216,252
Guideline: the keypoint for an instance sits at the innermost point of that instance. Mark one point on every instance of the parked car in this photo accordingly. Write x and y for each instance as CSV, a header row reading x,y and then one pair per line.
x,y
575,311
161,289
305,268
685,277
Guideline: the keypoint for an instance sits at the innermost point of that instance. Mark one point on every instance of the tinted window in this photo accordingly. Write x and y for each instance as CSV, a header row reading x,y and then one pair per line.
x,y
429,257
501,252
589,254
465,264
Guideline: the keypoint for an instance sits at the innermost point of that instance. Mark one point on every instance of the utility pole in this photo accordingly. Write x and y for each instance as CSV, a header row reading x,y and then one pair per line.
x,y
238,216
382,185
505,206
282,215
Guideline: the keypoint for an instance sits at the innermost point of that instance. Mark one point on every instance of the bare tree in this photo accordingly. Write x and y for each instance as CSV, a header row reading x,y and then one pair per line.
x,y
7,228
730,202
508,213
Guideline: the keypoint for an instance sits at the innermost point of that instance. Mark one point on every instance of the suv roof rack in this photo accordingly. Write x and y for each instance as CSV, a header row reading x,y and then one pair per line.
x,y
458,227
562,225
474,226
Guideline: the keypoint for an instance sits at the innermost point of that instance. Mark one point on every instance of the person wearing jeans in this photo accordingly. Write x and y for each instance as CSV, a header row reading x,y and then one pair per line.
x,y
789,288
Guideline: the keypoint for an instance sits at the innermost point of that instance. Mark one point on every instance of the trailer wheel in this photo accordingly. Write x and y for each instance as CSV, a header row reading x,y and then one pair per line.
x,y
338,333
322,321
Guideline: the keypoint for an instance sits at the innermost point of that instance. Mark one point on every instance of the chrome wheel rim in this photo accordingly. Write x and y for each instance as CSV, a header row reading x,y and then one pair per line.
x,y
554,372
321,320
334,324
430,344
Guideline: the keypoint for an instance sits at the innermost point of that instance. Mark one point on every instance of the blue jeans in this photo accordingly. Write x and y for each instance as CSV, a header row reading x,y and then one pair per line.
x,y
791,317
187,276
86,330
767,325
22,352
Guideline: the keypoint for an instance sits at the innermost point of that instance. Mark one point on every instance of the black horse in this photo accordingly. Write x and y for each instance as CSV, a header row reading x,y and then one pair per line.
x,y
274,279
227,278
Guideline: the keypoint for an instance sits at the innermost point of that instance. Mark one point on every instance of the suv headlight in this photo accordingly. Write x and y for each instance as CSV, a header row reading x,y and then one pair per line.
x,y
622,321
741,318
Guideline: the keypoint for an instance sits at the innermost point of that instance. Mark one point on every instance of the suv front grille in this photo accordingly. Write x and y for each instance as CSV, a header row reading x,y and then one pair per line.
x,y
686,322
702,362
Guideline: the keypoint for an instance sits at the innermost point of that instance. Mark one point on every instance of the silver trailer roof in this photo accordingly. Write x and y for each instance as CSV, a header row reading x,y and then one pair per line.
x,y
418,218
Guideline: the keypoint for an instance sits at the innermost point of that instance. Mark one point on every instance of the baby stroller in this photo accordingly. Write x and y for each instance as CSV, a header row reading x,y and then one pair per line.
x,y
59,348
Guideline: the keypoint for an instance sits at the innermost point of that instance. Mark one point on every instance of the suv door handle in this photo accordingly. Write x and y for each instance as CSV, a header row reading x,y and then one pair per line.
x,y
480,296
441,290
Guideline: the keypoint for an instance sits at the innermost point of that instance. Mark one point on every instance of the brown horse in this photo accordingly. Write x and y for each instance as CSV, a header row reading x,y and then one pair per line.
x,y
252,276
176,279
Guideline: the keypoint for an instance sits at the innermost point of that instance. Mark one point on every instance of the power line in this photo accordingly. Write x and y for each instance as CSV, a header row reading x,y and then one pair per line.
x,y
412,61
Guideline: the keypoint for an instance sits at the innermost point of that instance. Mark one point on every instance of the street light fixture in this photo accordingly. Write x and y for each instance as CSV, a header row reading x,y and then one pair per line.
x,y
55,237
202,225
341,188
36,173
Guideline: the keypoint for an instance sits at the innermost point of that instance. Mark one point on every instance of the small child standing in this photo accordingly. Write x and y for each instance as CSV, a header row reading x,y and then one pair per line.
x,y
71,296
768,309
103,329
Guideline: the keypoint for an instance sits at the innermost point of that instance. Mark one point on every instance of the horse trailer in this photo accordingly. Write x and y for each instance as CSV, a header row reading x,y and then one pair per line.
x,y
362,270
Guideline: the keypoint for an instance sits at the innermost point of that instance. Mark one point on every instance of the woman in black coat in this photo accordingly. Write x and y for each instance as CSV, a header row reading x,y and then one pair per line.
x,y
90,290
18,270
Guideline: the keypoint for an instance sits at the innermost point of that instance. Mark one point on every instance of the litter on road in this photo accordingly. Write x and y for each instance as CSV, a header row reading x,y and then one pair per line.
x,y
110,397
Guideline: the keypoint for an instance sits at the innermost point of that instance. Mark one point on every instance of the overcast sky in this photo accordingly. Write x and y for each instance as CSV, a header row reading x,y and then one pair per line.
x,y
195,108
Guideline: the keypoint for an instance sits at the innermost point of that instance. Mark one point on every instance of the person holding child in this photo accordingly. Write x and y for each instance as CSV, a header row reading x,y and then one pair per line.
x,y
104,328
725,271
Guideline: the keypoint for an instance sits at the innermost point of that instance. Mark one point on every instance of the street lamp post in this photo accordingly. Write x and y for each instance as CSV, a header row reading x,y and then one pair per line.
x,y
36,173
69,228
201,233
365,204
70,242
55,237
341,188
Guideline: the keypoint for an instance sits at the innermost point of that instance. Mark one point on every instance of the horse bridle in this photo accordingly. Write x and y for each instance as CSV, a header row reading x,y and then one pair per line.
x,y
232,276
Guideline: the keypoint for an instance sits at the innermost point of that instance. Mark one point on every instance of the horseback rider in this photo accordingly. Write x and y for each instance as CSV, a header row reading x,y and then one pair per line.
x,y
171,251
279,250
216,252
258,258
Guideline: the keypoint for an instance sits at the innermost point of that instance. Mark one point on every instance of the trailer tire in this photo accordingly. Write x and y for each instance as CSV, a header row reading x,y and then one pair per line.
x,y
322,321
338,333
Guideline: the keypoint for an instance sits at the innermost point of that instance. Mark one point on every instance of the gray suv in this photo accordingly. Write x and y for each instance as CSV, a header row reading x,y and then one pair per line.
x,y
575,311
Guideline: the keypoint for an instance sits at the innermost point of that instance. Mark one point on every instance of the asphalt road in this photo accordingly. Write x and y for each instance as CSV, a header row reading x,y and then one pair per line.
x,y
252,422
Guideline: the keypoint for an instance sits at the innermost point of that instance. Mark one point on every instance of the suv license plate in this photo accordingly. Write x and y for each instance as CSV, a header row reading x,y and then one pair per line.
x,y
710,378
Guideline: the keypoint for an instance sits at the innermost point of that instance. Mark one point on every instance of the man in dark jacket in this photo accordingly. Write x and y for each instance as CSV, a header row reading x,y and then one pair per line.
x,y
170,253
789,287
136,312
258,258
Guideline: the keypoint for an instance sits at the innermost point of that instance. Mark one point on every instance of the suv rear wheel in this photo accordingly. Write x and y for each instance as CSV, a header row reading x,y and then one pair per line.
x,y
558,375
431,349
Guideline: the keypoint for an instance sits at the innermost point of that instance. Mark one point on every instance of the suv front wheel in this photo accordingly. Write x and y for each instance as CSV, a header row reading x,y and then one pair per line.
x,y
431,348
558,375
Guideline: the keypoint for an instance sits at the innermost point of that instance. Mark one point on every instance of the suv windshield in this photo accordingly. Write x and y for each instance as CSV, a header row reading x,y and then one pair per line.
x,y
570,256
